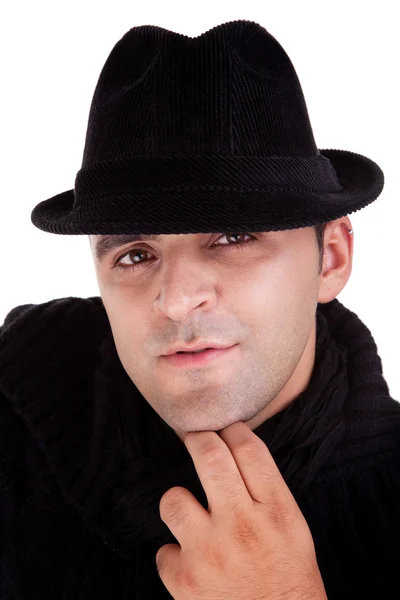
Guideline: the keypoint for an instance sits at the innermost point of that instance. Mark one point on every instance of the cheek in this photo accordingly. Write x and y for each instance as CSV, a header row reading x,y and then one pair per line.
x,y
250,298
270,290
128,321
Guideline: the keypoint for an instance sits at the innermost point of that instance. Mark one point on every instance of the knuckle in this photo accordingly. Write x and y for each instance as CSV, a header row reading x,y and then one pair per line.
x,y
245,533
249,450
229,481
187,582
215,555
284,518
212,455
282,515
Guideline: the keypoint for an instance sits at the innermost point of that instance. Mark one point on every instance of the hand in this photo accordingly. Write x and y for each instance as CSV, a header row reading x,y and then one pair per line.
x,y
253,542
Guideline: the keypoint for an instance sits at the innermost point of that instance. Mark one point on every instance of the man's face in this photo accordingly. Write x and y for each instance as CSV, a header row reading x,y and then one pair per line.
x,y
261,296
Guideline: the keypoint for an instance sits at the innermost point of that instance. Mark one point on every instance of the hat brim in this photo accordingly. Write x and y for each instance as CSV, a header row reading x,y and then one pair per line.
x,y
198,211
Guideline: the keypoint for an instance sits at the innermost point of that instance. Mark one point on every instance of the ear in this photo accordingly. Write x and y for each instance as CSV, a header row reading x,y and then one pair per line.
x,y
337,259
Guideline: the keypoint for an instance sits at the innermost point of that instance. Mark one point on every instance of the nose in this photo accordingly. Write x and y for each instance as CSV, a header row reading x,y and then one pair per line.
x,y
186,285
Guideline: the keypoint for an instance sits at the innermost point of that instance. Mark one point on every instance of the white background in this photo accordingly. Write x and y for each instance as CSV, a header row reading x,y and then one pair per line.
x,y
346,55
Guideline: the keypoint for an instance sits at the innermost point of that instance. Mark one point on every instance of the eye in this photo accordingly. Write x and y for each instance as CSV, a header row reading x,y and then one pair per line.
x,y
237,246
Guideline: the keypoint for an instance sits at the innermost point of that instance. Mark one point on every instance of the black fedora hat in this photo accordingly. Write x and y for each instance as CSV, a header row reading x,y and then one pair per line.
x,y
202,135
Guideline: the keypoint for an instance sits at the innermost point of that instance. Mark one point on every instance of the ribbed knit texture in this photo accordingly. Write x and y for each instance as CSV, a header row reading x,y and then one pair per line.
x,y
61,455
201,135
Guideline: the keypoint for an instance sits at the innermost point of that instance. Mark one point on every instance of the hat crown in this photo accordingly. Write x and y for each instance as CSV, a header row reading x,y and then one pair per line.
x,y
201,135
231,91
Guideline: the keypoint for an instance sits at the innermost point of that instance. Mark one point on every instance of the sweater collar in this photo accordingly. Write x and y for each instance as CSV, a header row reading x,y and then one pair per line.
x,y
52,373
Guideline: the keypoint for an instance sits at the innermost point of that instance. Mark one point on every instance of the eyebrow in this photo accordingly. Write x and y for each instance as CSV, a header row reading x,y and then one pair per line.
x,y
106,243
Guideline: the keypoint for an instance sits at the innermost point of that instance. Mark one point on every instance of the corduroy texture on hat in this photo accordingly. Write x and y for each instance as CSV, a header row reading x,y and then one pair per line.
x,y
202,135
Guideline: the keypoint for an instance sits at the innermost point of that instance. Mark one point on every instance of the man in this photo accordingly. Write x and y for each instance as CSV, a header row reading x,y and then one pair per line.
x,y
266,464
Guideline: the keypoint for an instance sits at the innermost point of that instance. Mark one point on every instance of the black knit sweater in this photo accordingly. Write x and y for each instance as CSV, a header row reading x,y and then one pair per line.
x,y
64,454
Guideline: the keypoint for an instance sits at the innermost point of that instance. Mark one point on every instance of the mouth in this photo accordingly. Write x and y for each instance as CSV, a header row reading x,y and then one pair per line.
x,y
199,358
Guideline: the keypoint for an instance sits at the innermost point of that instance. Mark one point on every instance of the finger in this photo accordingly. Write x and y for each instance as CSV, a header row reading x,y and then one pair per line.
x,y
168,559
184,516
217,471
259,472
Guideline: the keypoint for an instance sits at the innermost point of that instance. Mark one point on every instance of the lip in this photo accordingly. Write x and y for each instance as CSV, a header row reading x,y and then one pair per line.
x,y
201,345
197,360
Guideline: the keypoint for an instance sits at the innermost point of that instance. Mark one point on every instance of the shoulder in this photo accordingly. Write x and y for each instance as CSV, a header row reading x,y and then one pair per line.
x,y
44,349
33,334
42,346
69,307
353,512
